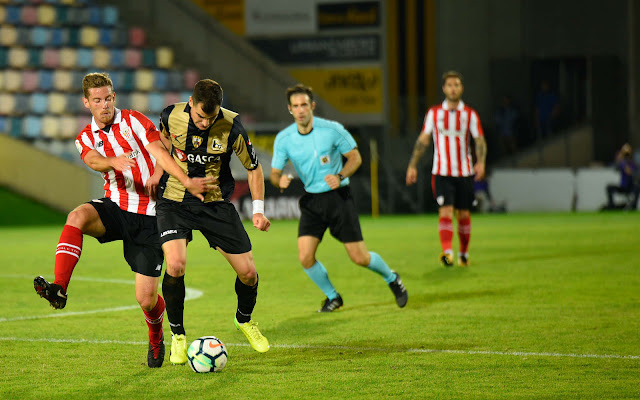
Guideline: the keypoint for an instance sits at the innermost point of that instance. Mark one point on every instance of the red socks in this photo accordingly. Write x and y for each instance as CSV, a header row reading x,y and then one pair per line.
x,y
154,321
67,254
445,229
464,233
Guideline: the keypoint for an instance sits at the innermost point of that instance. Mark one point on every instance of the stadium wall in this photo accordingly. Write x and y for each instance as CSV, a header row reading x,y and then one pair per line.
x,y
43,177
561,189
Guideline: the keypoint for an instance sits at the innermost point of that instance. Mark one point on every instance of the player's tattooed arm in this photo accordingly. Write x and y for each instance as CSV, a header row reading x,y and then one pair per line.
x,y
418,150
422,143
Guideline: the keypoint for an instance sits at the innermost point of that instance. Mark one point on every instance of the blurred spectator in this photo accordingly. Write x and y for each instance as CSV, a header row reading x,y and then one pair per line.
x,y
507,118
627,167
483,201
547,110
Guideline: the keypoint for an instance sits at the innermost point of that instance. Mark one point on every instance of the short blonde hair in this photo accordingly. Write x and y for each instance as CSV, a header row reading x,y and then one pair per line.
x,y
95,80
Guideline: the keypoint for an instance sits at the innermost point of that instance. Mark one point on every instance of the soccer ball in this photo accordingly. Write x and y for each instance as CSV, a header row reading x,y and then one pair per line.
x,y
207,354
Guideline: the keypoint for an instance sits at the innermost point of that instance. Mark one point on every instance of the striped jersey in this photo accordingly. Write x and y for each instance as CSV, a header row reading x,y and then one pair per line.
x,y
451,129
130,132
204,153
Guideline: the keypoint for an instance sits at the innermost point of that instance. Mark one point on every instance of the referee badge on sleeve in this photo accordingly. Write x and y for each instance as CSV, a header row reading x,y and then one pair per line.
x,y
324,160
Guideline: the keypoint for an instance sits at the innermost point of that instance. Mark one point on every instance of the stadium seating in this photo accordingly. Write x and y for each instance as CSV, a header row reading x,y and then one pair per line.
x,y
46,48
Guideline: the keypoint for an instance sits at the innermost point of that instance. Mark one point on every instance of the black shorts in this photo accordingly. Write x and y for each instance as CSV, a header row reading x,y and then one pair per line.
x,y
453,190
139,235
218,221
335,210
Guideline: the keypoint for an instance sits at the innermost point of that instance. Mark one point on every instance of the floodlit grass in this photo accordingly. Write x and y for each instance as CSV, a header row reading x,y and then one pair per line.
x,y
550,308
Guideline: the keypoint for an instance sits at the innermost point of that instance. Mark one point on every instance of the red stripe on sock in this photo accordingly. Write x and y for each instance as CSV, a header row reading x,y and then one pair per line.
x,y
154,320
464,234
445,229
68,254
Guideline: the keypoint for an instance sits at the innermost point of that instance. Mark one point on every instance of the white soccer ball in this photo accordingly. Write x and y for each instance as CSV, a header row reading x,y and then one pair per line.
x,y
207,354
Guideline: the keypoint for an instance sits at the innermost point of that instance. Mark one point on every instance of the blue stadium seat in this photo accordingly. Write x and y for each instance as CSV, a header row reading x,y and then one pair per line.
x,y
73,39
95,17
4,124
59,36
106,36
121,37
46,79
40,36
24,36
160,79
39,103
156,102
4,57
117,58
149,58
176,80
32,126
22,102
15,125
85,57
35,57
13,15
110,15
74,103
62,15
129,81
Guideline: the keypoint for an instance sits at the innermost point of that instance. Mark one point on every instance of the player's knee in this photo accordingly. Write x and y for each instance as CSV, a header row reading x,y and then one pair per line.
x,y
307,260
146,301
176,265
249,276
360,259
78,218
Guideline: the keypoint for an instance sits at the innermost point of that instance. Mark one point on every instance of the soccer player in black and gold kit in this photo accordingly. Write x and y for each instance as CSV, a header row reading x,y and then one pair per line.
x,y
202,136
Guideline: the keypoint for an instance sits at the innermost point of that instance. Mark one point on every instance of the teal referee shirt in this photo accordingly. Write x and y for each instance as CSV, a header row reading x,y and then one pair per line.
x,y
314,155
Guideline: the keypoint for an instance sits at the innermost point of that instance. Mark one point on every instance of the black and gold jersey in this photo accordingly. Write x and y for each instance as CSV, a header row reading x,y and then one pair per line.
x,y
204,153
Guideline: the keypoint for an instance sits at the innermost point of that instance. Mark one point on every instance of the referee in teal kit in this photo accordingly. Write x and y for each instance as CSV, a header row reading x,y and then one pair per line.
x,y
315,147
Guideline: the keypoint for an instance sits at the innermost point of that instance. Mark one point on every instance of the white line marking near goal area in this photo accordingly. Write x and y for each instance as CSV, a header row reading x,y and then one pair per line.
x,y
190,294
347,348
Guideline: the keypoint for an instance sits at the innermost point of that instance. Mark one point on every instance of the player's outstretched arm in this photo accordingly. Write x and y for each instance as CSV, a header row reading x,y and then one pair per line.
x,y
195,186
422,143
256,186
100,163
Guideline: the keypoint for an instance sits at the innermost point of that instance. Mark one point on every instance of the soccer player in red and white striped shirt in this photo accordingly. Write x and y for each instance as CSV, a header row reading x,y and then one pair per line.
x,y
124,145
452,124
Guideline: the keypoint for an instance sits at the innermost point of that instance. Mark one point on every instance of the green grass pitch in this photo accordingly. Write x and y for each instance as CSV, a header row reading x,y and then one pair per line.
x,y
550,308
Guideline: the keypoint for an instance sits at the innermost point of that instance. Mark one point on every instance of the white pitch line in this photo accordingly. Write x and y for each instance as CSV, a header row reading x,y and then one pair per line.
x,y
190,294
347,348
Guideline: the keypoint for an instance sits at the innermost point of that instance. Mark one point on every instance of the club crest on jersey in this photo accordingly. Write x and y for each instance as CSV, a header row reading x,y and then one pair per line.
x,y
215,145
196,141
324,160
126,133
78,146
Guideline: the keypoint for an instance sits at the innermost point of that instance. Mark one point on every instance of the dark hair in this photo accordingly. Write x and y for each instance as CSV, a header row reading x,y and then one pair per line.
x,y
95,80
299,89
451,74
208,93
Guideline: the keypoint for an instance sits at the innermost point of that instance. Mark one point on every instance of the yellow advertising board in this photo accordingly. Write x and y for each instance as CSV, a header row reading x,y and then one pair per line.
x,y
229,13
349,90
